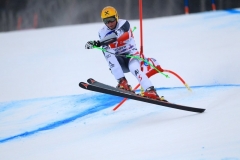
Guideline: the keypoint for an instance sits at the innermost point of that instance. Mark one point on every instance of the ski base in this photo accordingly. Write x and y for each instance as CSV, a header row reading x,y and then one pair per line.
x,y
96,86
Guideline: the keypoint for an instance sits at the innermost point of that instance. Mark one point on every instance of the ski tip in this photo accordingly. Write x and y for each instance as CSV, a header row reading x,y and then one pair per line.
x,y
91,81
83,85
202,110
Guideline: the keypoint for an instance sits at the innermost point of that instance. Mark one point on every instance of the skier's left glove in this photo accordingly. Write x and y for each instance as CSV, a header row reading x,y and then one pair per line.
x,y
91,44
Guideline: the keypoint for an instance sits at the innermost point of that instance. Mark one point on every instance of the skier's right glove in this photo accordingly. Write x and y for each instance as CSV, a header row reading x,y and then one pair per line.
x,y
91,44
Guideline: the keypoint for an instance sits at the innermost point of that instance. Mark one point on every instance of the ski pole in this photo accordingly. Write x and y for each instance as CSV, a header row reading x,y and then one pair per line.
x,y
144,60
136,57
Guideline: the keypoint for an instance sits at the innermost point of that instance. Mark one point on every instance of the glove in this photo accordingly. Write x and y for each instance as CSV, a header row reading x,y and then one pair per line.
x,y
91,44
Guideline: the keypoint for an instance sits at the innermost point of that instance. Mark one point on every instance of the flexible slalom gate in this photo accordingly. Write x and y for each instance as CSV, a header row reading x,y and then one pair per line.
x,y
155,70
152,72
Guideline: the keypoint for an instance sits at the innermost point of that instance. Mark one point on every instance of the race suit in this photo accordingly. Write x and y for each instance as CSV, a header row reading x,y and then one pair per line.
x,y
125,44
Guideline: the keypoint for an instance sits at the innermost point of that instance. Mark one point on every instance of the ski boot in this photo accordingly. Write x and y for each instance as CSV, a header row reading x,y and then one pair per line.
x,y
151,93
123,84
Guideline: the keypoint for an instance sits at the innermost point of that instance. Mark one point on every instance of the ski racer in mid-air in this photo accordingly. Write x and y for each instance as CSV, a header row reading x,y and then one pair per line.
x,y
116,38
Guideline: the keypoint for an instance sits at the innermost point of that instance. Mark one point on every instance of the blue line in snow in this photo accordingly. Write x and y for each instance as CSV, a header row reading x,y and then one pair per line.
x,y
104,101
203,86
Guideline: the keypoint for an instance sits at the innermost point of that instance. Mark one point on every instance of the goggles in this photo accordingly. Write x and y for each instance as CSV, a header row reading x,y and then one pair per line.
x,y
109,19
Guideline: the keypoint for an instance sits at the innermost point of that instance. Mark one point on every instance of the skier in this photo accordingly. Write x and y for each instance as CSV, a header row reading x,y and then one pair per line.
x,y
116,38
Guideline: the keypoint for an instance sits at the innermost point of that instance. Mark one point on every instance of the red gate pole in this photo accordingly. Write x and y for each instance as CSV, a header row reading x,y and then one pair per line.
x,y
35,20
213,6
19,23
141,35
141,50
186,9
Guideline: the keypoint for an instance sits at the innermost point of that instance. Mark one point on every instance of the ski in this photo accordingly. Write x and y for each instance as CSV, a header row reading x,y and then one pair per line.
x,y
96,86
96,83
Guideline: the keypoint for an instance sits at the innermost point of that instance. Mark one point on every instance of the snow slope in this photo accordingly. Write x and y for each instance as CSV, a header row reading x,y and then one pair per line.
x,y
45,115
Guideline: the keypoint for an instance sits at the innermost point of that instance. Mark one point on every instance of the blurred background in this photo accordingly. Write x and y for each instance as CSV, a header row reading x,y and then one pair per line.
x,y
28,14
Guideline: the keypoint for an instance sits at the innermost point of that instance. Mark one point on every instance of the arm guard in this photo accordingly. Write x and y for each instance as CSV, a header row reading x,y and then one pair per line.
x,y
108,39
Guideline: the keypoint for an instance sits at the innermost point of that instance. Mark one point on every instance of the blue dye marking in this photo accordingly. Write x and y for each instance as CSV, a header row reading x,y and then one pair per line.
x,y
215,86
103,101
204,86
